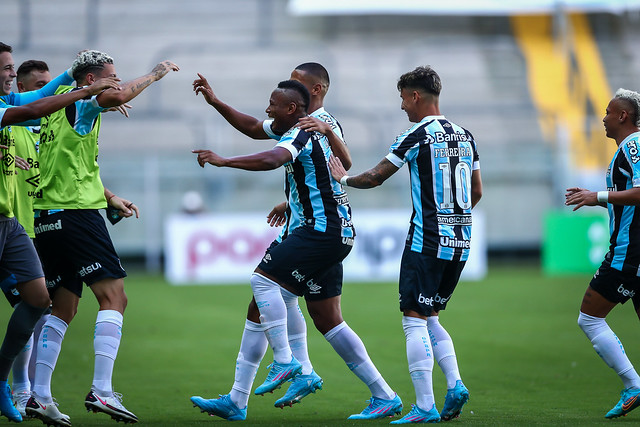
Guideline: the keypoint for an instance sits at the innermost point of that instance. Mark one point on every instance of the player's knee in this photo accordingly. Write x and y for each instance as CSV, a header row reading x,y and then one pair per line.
x,y
590,324
261,285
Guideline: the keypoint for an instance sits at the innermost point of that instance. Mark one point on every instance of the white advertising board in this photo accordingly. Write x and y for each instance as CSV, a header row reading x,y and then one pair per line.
x,y
226,248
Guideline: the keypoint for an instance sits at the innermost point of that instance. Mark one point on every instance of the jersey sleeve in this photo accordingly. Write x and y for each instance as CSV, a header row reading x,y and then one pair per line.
x,y
266,126
47,90
294,141
631,151
403,149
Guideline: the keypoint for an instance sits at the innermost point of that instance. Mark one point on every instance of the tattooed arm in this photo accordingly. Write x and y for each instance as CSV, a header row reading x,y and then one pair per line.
x,y
133,88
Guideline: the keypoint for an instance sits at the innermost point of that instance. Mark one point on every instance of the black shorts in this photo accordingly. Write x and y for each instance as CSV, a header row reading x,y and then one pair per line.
x,y
309,261
75,247
17,253
8,286
426,282
616,286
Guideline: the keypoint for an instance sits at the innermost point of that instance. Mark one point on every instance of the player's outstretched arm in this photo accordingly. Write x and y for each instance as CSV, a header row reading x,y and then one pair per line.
x,y
264,161
133,88
580,197
50,104
369,179
244,123
338,146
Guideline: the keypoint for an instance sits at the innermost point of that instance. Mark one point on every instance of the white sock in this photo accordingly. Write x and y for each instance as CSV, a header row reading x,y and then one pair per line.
x,y
273,316
350,347
106,342
420,358
253,346
48,350
20,368
443,351
36,334
297,331
609,348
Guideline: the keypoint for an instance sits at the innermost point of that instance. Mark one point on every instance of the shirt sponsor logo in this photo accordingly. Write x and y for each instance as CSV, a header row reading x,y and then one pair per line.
x,y
450,137
342,199
633,150
454,243
455,219
42,228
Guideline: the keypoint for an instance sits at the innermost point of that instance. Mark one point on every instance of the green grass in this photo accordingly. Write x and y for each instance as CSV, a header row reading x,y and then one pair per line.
x,y
520,351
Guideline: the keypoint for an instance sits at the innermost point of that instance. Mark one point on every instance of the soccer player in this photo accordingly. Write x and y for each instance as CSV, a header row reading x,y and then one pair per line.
x,y
445,185
254,343
18,254
31,75
308,261
72,238
616,280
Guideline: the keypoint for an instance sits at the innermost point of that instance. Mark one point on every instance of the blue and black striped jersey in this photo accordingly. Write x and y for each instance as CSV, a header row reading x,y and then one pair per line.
x,y
315,198
624,221
293,218
441,157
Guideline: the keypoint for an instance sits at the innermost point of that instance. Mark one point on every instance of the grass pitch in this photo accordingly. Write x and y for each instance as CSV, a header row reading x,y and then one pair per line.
x,y
521,354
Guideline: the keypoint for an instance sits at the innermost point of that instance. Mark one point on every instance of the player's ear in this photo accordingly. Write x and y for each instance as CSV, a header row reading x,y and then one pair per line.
x,y
623,116
20,86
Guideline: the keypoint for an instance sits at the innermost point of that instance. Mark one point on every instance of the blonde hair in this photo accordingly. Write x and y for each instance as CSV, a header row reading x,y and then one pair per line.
x,y
87,61
633,98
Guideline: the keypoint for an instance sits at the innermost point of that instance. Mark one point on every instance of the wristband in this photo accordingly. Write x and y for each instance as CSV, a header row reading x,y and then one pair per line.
x,y
603,196
110,197
343,180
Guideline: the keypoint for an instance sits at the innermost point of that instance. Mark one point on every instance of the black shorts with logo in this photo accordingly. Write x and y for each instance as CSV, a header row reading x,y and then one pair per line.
x,y
75,247
427,282
310,261
616,286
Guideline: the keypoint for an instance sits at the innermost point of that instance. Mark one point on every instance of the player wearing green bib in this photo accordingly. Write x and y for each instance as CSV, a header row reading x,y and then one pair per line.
x,y
31,75
18,254
73,241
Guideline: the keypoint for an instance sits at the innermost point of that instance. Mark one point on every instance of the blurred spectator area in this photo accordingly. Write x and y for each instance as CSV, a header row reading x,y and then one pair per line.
x,y
245,47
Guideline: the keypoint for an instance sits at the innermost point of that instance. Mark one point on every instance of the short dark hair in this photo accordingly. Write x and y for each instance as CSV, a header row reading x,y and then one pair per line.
x,y
297,87
30,65
5,48
316,70
422,78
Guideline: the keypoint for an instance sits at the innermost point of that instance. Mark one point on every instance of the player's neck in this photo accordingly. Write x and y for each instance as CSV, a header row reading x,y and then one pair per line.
x,y
625,133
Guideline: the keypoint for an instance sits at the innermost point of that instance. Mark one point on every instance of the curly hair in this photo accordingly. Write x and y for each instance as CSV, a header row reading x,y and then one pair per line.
x,y
89,61
633,99
422,78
